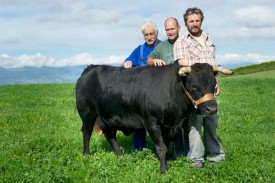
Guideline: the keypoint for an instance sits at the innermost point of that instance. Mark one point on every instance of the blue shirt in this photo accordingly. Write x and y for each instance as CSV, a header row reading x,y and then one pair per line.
x,y
139,57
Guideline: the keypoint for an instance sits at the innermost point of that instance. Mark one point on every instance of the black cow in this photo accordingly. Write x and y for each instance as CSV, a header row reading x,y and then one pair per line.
x,y
158,99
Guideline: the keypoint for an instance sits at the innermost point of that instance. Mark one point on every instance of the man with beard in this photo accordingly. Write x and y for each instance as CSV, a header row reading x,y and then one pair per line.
x,y
196,46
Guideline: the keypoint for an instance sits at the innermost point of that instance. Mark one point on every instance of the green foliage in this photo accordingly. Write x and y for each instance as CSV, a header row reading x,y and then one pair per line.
x,y
41,140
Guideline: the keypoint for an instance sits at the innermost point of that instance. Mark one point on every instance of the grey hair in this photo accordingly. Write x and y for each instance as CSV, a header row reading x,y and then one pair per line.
x,y
191,11
149,24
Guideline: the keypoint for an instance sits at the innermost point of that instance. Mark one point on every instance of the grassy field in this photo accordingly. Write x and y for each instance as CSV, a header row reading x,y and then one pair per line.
x,y
41,141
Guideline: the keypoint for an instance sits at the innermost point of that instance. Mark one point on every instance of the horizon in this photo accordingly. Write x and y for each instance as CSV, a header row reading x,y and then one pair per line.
x,y
48,75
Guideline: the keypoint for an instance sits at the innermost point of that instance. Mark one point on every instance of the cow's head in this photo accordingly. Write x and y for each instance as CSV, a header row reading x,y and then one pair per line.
x,y
200,84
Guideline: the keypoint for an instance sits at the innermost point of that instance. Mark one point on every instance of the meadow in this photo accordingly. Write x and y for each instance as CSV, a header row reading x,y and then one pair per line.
x,y
41,141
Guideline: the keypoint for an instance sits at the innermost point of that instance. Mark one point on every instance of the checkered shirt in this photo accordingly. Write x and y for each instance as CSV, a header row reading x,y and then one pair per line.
x,y
186,47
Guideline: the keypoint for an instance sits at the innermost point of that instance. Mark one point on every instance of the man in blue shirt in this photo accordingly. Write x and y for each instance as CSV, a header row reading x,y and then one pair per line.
x,y
137,59
139,55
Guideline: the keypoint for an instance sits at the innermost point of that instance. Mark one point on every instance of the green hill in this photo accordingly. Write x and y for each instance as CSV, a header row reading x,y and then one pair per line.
x,y
266,66
262,74
266,70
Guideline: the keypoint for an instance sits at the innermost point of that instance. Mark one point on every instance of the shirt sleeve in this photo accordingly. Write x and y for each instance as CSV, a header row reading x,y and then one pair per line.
x,y
155,54
178,49
134,56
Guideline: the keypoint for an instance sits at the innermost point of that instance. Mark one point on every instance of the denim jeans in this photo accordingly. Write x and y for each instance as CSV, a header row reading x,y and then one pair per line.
x,y
139,139
211,146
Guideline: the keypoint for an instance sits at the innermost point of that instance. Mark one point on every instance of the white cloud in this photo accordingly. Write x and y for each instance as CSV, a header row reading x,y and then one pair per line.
x,y
39,60
243,32
233,58
91,16
256,16
62,29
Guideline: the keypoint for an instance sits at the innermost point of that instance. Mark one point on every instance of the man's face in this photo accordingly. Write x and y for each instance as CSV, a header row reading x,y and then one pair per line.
x,y
193,24
172,30
150,36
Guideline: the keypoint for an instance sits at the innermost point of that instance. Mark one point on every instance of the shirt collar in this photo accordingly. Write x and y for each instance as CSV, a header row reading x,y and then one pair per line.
x,y
204,34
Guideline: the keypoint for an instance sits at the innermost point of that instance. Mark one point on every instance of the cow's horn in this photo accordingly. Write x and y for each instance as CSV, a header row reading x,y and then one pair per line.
x,y
184,70
222,70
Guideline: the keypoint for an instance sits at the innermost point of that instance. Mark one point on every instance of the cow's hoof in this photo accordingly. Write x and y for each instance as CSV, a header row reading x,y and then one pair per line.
x,y
86,153
163,170
119,154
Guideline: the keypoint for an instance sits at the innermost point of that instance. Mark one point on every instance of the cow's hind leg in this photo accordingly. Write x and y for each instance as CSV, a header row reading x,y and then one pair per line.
x,y
88,120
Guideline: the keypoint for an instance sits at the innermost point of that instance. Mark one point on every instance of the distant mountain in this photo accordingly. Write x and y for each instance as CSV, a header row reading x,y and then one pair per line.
x,y
30,75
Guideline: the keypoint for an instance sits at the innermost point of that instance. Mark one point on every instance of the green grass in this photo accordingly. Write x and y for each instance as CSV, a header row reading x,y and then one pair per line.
x,y
41,141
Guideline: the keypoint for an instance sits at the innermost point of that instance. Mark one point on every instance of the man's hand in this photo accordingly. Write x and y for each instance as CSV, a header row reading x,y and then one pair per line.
x,y
218,90
183,62
155,62
127,64
158,62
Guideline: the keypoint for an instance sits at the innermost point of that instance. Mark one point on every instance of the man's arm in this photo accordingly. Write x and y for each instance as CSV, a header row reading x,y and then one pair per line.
x,y
218,90
150,61
183,62
132,60
180,55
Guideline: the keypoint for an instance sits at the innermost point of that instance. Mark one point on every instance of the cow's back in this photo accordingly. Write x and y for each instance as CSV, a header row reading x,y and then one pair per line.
x,y
120,94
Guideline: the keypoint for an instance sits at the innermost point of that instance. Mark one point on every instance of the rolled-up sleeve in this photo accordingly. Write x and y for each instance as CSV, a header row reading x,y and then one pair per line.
x,y
180,51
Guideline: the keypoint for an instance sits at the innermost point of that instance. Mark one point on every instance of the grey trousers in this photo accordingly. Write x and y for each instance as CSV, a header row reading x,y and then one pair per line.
x,y
211,146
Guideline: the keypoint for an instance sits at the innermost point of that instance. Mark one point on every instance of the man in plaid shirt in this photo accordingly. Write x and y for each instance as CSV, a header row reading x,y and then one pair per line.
x,y
196,46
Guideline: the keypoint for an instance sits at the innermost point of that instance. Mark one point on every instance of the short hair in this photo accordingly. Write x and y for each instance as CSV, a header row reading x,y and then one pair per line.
x,y
149,24
191,11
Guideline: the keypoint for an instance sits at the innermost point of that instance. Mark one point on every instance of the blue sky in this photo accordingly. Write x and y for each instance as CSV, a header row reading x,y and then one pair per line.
x,y
58,33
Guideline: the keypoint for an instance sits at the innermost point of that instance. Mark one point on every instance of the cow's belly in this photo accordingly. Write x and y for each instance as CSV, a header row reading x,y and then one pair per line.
x,y
120,122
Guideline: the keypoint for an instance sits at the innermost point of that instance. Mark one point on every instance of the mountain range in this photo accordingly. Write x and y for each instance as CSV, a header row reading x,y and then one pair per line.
x,y
32,75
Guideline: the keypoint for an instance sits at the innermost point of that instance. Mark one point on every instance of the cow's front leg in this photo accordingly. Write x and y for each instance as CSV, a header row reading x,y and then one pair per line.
x,y
162,151
157,138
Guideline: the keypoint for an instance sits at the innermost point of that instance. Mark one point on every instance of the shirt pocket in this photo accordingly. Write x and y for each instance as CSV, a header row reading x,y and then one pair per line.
x,y
195,51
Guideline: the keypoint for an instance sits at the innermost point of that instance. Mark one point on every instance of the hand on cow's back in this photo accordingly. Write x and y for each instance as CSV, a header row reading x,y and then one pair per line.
x,y
127,64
